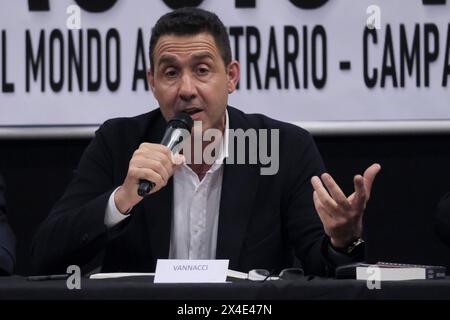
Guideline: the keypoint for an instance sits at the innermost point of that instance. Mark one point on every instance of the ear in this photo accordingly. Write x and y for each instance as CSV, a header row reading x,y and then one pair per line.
x,y
151,79
233,74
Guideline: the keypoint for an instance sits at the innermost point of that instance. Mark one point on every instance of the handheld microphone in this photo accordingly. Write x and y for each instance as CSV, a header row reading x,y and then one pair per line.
x,y
178,129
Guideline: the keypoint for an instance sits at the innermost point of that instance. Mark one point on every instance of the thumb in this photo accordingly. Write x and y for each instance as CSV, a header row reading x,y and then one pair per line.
x,y
178,159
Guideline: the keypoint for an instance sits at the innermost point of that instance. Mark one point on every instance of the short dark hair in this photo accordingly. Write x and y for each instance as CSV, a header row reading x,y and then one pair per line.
x,y
191,21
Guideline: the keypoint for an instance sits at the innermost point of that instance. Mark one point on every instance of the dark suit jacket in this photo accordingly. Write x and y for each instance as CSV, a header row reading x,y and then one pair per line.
x,y
7,239
262,219
442,224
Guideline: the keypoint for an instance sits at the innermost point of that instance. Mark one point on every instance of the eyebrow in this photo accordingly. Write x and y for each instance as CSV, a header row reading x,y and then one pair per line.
x,y
166,59
170,59
202,55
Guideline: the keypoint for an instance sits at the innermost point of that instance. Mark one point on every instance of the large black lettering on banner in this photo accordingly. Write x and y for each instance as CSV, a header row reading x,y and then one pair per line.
x,y
6,86
434,1
49,59
56,82
38,5
37,64
308,4
245,3
303,4
175,4
88,5
408,59
96,6
140,65
446,72
105,5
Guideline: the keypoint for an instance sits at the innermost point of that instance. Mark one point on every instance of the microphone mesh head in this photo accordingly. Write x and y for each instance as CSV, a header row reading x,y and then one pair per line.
x,y
181,120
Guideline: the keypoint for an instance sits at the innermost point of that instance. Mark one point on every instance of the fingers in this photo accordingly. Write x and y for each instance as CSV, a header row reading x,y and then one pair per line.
x,y
160,153
152,162
342,216
152,147
156,158
153,176
363,186
360,195
369,177
324,215
334,225
335,192
322,193
332,213
140,163
334,200
156,152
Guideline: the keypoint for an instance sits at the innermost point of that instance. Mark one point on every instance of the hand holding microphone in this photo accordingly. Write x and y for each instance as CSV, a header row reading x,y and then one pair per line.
x,y
178,128
152,165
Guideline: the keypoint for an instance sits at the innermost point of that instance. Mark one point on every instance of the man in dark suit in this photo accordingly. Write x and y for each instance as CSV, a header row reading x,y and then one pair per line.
x,y
7,240
201,209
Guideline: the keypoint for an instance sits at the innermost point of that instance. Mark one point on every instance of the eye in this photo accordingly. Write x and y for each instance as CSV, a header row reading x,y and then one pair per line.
x,y
170,73
202,70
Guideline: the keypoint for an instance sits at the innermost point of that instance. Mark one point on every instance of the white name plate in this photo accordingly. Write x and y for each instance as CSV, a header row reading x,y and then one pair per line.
x,y
190,271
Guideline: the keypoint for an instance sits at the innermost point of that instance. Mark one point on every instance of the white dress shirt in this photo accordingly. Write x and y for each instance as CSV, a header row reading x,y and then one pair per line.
x,y
195,216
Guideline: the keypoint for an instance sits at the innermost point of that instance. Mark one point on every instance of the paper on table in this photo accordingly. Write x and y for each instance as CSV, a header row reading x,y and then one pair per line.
x,y
237,274
118,275
230,273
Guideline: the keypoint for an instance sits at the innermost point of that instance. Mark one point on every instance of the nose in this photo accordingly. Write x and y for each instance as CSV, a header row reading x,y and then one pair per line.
x,y
187,91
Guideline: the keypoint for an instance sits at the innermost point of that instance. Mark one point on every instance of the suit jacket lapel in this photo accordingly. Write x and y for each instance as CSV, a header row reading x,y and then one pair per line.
x,y
239,185
158,206
158,213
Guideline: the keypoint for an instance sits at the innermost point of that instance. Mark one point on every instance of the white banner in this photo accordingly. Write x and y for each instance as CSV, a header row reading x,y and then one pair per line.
x,y
298,65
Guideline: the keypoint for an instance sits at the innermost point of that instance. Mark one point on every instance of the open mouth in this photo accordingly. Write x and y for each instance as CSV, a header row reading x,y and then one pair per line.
x,y
192,111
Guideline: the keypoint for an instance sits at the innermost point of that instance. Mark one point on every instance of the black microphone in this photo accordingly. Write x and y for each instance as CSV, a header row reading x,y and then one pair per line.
x,y
178,129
